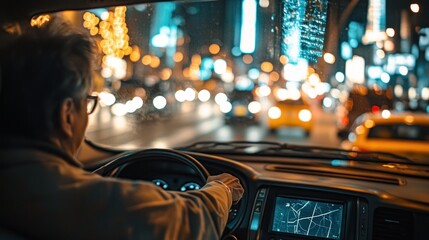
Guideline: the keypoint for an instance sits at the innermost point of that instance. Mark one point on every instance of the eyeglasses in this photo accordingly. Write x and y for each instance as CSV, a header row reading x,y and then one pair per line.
x,y
91,103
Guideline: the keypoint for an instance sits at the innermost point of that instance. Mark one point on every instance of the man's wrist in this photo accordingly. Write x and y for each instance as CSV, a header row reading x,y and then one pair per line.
x,y
226,186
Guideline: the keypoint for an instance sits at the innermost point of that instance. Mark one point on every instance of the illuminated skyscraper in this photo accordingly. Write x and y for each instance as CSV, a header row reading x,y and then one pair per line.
x,y
303,29
376,22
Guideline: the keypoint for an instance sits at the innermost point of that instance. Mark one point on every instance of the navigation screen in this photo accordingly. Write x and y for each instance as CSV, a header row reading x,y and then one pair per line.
x,y
308,217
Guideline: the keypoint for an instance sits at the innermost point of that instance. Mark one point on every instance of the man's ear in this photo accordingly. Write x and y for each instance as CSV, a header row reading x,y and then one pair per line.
x,y
67,117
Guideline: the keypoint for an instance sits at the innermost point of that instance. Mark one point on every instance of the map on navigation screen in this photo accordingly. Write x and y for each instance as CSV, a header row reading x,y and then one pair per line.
x,y
308,217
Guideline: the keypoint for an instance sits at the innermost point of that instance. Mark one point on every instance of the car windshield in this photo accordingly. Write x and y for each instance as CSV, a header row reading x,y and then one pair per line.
x,y
172,73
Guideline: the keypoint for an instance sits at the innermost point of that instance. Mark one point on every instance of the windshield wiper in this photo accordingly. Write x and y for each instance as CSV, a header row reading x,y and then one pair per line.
x,y
276,148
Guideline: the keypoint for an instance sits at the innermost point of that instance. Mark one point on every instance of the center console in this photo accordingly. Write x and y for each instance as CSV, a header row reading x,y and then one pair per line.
x,y
287,213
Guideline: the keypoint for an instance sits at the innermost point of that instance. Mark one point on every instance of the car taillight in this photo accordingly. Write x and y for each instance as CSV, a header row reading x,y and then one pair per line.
x,y
375,109
344,121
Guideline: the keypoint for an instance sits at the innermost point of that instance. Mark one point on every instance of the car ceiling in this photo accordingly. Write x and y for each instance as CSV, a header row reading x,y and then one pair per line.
x,y
25,9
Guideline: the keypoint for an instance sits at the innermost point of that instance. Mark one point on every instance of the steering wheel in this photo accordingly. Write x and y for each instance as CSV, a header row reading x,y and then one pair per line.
x,y
153,154
114,167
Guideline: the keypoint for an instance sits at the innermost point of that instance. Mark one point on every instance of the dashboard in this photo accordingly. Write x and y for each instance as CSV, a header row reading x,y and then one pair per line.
x,y
301,199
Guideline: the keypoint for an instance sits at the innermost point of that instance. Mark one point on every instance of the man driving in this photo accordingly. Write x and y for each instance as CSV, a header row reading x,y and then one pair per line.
x,y
45,100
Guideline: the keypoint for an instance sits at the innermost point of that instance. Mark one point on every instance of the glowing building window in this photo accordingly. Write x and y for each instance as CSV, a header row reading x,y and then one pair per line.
x,y
248,27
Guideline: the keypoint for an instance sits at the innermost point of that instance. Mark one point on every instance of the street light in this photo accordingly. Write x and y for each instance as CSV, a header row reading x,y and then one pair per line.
x,y
415,8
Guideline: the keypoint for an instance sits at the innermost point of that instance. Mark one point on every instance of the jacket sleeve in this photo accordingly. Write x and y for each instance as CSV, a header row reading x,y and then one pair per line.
x,y
141,210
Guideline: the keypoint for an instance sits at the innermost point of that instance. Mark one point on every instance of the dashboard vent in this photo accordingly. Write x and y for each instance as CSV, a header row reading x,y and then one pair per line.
x,y
392,224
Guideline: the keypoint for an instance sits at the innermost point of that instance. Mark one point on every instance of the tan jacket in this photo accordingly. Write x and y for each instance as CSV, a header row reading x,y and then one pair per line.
x,y
45,194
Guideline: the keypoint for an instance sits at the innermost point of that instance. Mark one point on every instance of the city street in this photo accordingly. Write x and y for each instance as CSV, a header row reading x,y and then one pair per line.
x,y
200,123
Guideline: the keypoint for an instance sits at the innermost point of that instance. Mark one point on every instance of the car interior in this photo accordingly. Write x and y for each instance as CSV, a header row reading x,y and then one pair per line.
x,y
292,191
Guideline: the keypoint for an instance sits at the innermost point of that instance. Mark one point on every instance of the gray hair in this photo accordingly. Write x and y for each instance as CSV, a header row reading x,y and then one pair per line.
x,y
40,69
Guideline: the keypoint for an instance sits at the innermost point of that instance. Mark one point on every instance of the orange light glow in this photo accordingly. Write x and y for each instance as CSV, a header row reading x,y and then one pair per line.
x,y
40,20
267,67
196,59
146,59
274,76
166,73
248,59
214,48
155,62
283,59
178,57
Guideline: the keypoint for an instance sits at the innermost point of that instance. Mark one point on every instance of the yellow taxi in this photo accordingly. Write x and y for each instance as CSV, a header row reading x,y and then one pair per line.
x,y
405,133
291,113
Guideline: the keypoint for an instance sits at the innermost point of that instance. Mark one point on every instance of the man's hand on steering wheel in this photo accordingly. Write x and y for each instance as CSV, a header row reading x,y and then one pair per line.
x,y
230,182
